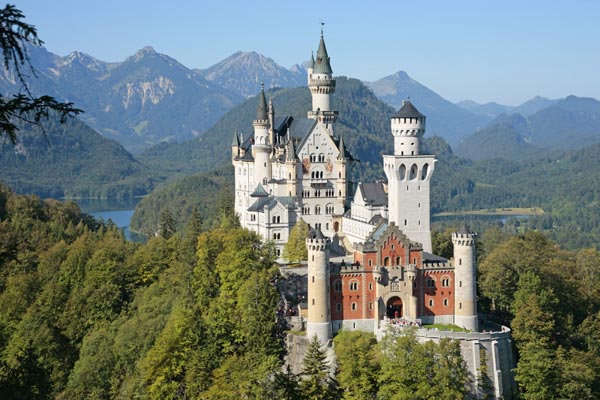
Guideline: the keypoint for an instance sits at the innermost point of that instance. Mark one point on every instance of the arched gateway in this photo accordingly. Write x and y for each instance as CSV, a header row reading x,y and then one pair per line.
x,y
394,307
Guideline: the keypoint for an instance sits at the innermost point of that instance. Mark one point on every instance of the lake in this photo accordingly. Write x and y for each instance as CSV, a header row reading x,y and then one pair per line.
x,y
119,211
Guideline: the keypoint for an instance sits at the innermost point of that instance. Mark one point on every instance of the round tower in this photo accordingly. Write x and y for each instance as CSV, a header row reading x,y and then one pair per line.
x,y
408,127
261,148
319,311
322,86
465,279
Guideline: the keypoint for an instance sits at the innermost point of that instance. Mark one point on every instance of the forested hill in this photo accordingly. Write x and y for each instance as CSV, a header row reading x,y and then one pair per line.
x,y
363,121
71,160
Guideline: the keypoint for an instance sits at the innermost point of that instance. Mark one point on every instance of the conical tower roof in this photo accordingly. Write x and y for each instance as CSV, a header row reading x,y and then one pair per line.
x,y
236,140
464,229
408,111
322,65
312,60
290,152
343,151
261,112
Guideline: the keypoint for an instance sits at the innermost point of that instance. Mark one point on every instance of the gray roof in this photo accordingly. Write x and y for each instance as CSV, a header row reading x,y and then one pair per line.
x,y
322,65
377,219
316,234
259,192
312,60
261,112
408,111
464,230
270,202
433,257
236,141
373,193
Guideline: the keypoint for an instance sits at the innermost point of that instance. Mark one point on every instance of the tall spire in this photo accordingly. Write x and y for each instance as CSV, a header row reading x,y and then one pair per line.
x,y
322,65
312,60
261,112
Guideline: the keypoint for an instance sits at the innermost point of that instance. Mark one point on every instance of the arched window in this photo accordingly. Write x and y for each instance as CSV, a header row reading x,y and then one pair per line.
x,y
337,285
353,286
424,171
386,261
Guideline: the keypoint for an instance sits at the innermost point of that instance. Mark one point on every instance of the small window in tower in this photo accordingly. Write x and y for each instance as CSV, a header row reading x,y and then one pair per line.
x,y
313,279
459,283
460,306
353,286
445,302
370,306
338,307
313,302
430,283
405,222
460,261
419,222
337,285
445,282
430,302
370,263
353,306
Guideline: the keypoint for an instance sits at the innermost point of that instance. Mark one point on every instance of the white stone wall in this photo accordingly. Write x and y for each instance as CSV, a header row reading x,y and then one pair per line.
x,y
408,195
465,281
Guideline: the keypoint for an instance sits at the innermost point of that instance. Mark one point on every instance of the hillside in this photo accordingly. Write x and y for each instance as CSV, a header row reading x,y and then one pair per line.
x,y
243,73
363,121
444,118
571,123
71,160
487,110
143,100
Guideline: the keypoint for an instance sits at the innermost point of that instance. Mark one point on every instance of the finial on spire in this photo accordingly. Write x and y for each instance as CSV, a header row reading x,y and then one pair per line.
x,y
262,86
322,24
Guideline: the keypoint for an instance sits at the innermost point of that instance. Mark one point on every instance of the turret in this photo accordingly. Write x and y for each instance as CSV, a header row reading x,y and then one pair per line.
x,y
261,148
319,310
409,175
465,279
235,146
322,86
408,127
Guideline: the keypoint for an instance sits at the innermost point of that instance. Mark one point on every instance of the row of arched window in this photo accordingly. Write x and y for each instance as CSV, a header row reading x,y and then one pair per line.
x,y
317,158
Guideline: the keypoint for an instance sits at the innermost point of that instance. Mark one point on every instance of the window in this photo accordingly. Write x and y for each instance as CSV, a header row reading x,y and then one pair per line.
x,y
317,210
353,286
370,263
313,302
370,286
386,261
430,283
338,306
445,302
370,306
445,282
430,302
460,306
353,306
337,285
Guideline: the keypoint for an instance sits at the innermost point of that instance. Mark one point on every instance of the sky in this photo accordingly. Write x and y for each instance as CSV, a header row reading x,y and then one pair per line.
x,y
503,51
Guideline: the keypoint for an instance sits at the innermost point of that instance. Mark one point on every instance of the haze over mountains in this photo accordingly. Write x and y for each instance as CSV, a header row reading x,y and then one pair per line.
x,y
570,123
150,98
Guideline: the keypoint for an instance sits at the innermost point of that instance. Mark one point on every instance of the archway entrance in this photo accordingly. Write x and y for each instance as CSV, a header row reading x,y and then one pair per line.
x,y
336,226
394,307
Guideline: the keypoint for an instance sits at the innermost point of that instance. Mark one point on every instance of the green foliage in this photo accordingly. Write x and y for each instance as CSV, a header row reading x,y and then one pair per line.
x,y
413,370
317,383
295,248
358,364
166,224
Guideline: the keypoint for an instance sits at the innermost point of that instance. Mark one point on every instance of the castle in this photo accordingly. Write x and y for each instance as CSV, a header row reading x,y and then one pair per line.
x,y
290,169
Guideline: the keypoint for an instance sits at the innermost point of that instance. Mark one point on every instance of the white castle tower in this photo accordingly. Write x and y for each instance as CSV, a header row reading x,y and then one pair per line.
x,y
409,173
322,86
261,150
465,279
319,310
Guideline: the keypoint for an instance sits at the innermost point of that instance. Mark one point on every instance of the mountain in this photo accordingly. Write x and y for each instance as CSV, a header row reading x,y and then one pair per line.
x,y
71,160
504,138
363,121
533,105
444,118
143,100
571,123
243,73
487,110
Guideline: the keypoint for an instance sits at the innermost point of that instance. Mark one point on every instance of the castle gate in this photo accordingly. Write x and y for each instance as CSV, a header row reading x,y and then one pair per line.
x,y
394,307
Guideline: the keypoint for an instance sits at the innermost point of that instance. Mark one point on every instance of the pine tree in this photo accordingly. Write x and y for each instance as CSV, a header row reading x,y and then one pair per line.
x,y
166,224
315,370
